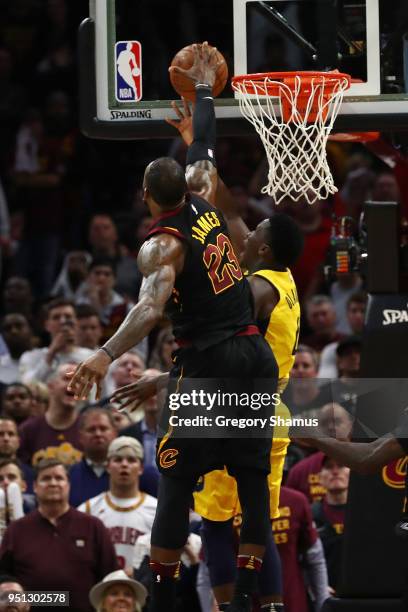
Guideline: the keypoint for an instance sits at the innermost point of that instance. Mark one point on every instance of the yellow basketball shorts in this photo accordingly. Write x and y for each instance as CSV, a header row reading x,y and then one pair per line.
x,y
216,495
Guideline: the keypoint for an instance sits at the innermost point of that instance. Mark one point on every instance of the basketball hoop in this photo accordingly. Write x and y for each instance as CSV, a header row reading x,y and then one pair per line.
x,y
294,113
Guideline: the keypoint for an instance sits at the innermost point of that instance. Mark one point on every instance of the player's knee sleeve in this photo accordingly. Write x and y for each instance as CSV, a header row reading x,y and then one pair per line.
x,y
253,495
270,578
170,526
219,550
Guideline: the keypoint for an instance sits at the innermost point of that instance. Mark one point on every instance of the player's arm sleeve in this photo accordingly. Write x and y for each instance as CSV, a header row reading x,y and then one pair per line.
x,y
201,173
204,131
316,574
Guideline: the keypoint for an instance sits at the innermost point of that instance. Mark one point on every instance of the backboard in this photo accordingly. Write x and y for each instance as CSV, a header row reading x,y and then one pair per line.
x,y
125,49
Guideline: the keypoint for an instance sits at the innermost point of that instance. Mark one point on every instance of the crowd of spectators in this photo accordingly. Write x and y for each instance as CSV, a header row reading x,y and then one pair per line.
x,y
71,223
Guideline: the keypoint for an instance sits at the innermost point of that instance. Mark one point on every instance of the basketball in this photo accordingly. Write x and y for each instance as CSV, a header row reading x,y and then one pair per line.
x,y
185,86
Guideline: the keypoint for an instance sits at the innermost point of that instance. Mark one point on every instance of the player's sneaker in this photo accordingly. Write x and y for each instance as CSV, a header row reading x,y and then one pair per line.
x,y
240,603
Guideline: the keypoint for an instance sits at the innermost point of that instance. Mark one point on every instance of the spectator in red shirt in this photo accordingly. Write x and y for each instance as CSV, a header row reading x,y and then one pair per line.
x,y
321,317
296,539
57,548
329,514
55,434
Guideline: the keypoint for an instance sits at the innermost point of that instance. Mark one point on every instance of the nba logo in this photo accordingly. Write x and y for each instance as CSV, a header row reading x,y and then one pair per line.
x,y
128,70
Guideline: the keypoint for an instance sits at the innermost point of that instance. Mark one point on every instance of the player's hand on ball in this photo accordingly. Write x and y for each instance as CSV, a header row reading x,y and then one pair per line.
x,y
205,65
184,123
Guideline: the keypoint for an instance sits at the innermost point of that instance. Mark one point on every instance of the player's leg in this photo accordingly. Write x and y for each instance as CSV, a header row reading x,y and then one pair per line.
x,y
270,582
270,579
254,498
169,535
219,542
250,463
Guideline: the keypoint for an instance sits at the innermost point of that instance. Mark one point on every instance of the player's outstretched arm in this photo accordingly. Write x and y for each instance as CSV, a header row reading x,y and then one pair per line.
x,y
160,260
202,176
201,168
138,392
362,457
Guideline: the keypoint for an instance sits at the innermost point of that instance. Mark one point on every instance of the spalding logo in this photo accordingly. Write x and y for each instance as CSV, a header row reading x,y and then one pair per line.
x,y
392,317
167,458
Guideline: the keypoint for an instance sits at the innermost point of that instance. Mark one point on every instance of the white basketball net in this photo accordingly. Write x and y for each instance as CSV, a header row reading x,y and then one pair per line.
x,y
295,147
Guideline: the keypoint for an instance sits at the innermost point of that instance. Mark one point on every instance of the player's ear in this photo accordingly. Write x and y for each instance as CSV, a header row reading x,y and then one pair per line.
x,y
264,249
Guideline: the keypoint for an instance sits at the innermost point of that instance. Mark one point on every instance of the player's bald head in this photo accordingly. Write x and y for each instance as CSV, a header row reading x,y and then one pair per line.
x,y
165,182
336,421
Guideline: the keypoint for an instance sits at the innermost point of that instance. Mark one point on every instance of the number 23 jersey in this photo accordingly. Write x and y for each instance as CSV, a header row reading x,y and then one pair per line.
x,y
211,299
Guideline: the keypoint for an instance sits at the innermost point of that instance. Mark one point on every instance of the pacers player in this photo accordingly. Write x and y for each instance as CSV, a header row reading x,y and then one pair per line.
x,y
190,268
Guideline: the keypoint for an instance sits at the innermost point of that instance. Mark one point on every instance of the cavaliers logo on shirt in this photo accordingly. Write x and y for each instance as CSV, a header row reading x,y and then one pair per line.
x,y
168,458
394,473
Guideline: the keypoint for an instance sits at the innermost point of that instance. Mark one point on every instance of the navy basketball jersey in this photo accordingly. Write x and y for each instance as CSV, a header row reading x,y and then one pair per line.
x,y
211,299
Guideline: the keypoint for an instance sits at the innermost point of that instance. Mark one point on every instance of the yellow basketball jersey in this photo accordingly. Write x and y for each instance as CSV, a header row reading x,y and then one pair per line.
x,y
282,332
